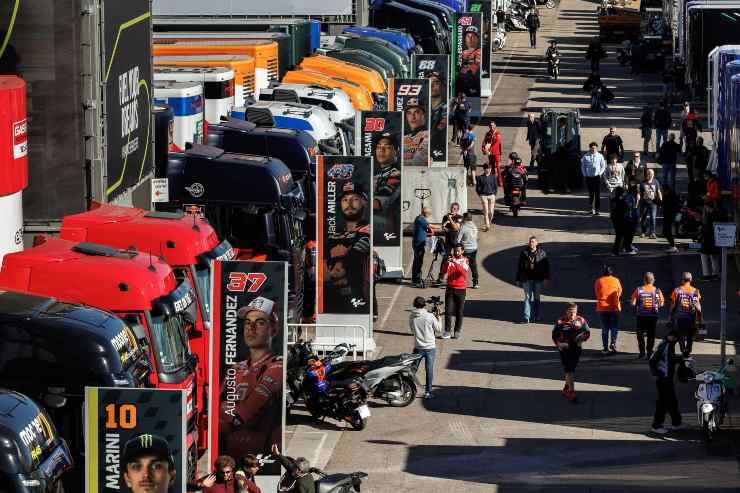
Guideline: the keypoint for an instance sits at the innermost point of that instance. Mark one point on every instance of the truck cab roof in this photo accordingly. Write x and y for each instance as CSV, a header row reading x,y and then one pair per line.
x,y
314,120
180,239
90,274
209,175
360,57
359,95
398,38
334,101
29,442
346,70
76,338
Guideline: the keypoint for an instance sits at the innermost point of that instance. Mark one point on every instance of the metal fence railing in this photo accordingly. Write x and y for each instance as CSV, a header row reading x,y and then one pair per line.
x,y
324,337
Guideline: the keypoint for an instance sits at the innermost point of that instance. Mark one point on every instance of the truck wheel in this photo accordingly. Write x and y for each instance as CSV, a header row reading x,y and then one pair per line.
x,y
408,394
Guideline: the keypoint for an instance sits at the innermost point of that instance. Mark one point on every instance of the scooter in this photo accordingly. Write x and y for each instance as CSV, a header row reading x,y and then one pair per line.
x,y
553,66
390,379
342,400
499,41
515,200
711,399
327,483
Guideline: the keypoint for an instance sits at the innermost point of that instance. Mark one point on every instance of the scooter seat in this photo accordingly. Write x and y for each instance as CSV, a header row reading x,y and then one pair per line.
x,y
328,483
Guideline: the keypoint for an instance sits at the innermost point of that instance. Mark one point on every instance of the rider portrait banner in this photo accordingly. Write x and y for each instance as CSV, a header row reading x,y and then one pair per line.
x,y
436,68
466,58
411,96
129,431
343,218
484,7
247,351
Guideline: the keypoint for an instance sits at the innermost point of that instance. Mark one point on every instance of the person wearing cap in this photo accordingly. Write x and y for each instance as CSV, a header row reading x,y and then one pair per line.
x,y
416,134
347,269
148,465
387,190
251,410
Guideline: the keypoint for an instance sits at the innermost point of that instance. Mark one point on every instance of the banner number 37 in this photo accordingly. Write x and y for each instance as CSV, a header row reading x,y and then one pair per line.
x,y
241,281
409,90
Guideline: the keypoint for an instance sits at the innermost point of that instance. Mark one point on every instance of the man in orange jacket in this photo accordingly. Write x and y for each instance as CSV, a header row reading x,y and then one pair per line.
x,y
491,147
608,291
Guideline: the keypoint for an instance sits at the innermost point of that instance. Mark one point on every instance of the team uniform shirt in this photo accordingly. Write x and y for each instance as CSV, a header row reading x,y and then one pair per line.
x,y
255,425
684,301
647,300
416,148
570,331
608,290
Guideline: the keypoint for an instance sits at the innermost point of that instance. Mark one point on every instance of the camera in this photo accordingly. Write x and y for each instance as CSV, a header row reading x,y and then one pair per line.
x,y
434,300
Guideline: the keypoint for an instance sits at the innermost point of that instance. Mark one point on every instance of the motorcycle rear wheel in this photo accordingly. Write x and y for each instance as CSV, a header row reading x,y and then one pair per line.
x,y
707,431
408,393
358,423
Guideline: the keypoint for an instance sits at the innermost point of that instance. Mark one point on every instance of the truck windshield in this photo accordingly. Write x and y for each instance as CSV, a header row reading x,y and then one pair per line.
x,y
170,342
202,275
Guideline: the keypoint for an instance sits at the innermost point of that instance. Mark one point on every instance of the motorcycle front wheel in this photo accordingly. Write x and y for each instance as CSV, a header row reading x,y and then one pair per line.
x,y
707,430
358,423
408,394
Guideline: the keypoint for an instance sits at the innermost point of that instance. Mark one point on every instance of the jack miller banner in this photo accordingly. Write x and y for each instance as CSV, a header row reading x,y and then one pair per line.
x,y
466,58
129,431
436,68
248,348
484,7
412,97
343,221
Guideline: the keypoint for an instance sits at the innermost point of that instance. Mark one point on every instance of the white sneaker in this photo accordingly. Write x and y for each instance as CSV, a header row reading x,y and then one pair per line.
x,y
659,431
446,335
682,426
671,250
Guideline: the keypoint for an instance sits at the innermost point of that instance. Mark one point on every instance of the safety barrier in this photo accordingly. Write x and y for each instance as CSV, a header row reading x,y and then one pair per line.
x,y
324,337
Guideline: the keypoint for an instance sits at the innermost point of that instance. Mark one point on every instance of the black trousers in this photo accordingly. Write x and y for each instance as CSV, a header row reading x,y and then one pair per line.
x,y
473,262
593,183
686,330
533,39
646,327
595,64
418,262
668,230
667,402
454,306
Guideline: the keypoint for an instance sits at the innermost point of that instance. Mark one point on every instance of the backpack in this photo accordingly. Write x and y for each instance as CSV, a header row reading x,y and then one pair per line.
x,y
516,179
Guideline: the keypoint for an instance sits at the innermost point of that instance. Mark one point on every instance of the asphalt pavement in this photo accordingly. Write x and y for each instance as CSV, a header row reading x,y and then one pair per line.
x,y
498,422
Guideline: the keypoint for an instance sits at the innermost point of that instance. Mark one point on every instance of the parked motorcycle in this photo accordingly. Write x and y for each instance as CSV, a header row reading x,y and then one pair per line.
x,y
342,400
499,41
688,221
391,379
327,483
711,399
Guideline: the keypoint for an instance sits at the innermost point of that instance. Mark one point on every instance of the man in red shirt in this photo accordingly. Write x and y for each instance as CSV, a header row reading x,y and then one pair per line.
x,y
491,147
457,283
224,479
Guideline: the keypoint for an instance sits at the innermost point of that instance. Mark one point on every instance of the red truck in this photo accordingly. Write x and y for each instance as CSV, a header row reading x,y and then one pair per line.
x,y
138,287
188,244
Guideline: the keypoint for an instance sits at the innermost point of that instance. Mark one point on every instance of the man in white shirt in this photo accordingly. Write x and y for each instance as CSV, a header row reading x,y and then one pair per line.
x,y
425,326
593,165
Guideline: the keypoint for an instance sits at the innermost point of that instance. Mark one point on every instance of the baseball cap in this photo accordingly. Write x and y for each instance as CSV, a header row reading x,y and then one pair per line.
x,y
471,29
146,443
351,187
388,136
410,102
260,303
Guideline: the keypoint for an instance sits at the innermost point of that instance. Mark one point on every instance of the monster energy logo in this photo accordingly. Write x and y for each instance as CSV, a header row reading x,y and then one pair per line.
x,y
146,441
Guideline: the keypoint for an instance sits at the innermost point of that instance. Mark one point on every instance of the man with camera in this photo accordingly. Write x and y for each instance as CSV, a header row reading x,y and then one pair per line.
x,y
425,326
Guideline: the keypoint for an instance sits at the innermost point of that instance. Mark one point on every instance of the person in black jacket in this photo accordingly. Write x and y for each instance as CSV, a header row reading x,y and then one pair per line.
x,y
663,366
533,24
532,273
595,52
646,129
534,134
298,477
663,121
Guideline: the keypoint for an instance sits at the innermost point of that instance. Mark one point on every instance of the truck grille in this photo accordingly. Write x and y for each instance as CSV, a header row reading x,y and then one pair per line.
x,y
248,85
272,69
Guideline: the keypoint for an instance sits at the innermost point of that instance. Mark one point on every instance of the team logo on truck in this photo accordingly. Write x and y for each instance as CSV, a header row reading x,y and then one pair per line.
x,y
20,139
196,189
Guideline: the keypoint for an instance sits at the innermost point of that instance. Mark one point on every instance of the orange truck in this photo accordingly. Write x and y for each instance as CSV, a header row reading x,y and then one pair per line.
x,y
242,65
265,53
367,78
361,98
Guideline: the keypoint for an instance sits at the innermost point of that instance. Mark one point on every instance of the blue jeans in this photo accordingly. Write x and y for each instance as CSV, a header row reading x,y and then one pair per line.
x,y
609,326
669,170
661,135
532,291
428,357
649,213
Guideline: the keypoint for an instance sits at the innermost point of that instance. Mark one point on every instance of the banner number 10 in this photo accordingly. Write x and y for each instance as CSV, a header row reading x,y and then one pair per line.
x,y
124,417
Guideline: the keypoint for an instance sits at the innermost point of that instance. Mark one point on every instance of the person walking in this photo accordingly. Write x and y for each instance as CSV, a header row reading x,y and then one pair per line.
x,y
425,326
460,117
617,214
646,129
422,230
533,24
467,149
595,52
612,144
486,187
468,238
647,301
608,291
592,167
451,223
700,160
663,367
663,121
534,134
491,147
613,177
685,308
709,252
636,169
457,283
569,334
650,197
632,217
668,158
532,273
671,207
